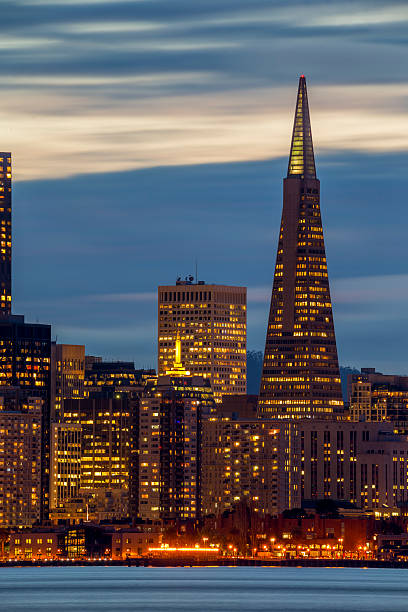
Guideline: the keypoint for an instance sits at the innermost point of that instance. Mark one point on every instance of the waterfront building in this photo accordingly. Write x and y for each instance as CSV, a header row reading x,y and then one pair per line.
x,y
249,460
85,541
329,535
20,463
130,543
38,543
300,376
377,397
67,375
171,414
5,233
211,320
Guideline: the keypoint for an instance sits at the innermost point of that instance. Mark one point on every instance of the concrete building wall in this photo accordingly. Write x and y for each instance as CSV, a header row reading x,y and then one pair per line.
x,y
364,463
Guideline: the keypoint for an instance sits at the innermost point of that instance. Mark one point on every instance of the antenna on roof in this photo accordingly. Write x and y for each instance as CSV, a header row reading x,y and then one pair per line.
x,y
196,270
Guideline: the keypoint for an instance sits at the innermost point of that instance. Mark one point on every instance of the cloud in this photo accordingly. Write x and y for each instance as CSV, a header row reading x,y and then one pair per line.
x,y
192,129
372,290
109,86
84,264
138,131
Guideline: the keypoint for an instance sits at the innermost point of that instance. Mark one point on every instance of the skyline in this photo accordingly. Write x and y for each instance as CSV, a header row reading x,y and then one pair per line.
x,y
358,124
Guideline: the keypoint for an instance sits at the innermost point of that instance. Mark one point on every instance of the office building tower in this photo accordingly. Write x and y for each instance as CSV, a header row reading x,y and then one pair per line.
x,y
105,443
377,397
5,235
362,463
25,363
65,463
25,349
67,375
211,320
171,413
121,377
300,376
20,463
255,461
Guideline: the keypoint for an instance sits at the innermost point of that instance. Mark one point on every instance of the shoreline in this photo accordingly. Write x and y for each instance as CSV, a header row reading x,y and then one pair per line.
x,y
240,562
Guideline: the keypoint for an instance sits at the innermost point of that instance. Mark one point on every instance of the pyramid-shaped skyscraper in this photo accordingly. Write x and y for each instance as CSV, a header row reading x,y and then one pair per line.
x,y
300,376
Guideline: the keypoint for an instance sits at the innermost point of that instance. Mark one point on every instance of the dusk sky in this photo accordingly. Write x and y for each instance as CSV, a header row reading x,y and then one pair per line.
x,y
146,134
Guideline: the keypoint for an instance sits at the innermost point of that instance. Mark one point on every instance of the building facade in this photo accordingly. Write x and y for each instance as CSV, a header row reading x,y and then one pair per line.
x,y
35,544
5,236
20,464
65,463
300,374
253,461
25,364
84,541
105,441
375,397
170,418
123,379
211,320
67,375
362,463
120,376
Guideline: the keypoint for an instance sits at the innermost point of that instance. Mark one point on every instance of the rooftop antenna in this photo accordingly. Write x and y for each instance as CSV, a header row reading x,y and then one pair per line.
x,y
196,270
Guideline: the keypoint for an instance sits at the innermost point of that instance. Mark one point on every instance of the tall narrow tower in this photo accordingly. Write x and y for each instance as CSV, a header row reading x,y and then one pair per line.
x,y
300,376
5,246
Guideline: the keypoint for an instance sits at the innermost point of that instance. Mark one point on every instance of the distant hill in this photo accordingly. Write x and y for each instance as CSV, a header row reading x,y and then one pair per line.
x,y
254,373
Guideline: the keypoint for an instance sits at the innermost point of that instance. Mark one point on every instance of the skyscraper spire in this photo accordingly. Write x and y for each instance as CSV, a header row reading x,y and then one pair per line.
x,y
300,376
301,158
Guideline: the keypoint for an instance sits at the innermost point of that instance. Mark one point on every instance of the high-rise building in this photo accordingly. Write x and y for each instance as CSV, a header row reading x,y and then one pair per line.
x,y
5,234
105,442
377,397
65,463
25,349
25,363
362,463
111,378
20,463
211,320
255,461
171,412
67,375
300,376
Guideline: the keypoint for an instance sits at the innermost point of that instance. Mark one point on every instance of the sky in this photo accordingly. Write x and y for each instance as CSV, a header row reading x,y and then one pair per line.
x,y
148,134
